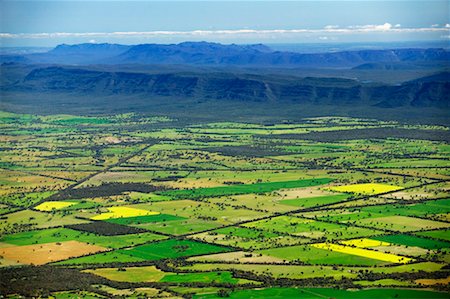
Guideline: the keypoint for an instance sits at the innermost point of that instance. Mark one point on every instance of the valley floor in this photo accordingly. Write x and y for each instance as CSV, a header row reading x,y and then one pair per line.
x,y
145,206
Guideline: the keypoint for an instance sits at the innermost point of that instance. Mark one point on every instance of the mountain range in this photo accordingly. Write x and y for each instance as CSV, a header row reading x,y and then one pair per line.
x,y
214,54
430,91
205,79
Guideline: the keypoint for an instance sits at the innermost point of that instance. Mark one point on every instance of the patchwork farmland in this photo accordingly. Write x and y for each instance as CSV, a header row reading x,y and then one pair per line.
x,y
139,206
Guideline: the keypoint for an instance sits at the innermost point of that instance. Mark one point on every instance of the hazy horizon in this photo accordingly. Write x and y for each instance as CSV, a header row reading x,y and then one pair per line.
x,y
49,23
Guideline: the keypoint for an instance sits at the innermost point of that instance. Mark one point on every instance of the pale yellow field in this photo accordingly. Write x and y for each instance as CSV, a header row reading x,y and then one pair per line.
x,y
364,243
133,274
387,257
119,212
39,254
149,292
366,188
301,193
443,217
404,223
402,250
443,281
237,256
57,205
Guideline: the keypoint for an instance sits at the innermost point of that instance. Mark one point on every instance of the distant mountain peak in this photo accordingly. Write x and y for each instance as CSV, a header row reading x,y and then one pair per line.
x,y
65,48
216,54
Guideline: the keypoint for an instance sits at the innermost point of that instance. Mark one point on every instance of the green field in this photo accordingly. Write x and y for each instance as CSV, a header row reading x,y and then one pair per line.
x,y
315,256
246,233
145,219
314,201
64,234
437,234
413,241
102,258
310,228
312,293
246,188
206,277
172,249
237,209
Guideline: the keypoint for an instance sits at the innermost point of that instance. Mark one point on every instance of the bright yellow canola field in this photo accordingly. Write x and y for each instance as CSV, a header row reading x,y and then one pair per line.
x,y
370,188
365,243
57,205
387,257
123,212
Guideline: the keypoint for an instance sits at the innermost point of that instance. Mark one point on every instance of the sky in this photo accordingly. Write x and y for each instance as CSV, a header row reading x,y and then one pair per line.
x,y
49,23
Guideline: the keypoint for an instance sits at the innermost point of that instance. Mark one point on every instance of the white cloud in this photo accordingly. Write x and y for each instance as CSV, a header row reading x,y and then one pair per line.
x,y
6,35
329,29
384,27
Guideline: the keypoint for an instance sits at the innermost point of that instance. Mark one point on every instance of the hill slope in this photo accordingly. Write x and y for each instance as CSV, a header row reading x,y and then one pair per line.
x,y
431,91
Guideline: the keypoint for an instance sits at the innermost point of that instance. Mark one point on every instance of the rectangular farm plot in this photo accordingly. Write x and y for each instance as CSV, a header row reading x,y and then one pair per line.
x,y
35,219
82,205
65,234
241,257
179,227
310,228
25,199
244,188
364,243
123,212
402,223
138,220
243,237
369,188
426,209
372,254
443,234
422,210
202,210
40,254
409,240
203,277
153,274
27,182
54,205
314,201
172,249
102,258
305,271
195,216
130,274
106,228
268,202
387,247
318,256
